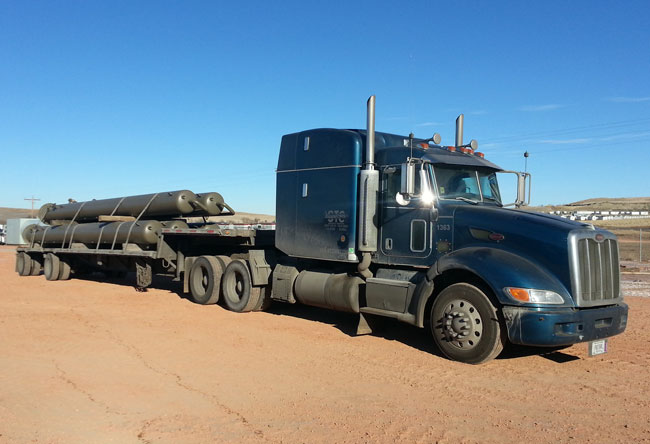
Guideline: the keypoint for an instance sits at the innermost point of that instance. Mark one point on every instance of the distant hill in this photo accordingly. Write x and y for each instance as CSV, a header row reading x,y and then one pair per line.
x,y
14,213
600,204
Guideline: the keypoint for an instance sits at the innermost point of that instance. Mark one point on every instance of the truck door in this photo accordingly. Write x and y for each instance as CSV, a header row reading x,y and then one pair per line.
x,y
405,227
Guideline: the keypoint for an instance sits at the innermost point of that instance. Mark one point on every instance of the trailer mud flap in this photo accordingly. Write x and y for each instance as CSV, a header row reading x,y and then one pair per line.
x,y
143,273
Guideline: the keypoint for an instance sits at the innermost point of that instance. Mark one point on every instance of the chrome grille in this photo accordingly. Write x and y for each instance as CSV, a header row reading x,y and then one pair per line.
x,y
595,271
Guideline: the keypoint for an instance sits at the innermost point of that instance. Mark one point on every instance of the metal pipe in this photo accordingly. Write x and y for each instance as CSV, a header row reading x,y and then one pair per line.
x,y
370,135
368,189
459,130
364,266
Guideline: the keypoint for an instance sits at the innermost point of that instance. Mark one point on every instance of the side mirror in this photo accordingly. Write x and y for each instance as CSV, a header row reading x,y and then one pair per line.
x,y
408,180
523,195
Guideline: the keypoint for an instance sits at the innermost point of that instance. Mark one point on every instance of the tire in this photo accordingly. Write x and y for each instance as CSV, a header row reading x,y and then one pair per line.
x,y
51,267
205,280
465,325
264,299
23,264
64,269
36,268
239,295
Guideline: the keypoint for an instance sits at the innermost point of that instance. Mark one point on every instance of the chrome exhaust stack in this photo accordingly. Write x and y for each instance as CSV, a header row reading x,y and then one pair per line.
x,y
368,189
459,131
370,135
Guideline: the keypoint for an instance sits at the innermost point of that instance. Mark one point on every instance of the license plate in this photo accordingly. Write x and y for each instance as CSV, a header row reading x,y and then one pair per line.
x,y
598,347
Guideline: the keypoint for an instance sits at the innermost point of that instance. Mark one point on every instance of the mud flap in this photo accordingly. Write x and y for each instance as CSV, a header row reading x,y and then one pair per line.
x,y
143,273
369,323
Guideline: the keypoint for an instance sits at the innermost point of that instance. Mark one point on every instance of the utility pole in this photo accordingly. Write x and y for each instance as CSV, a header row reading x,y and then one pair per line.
x,y
33,200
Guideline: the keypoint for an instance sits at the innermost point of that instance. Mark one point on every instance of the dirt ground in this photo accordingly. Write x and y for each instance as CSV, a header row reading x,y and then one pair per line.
x,y
84,361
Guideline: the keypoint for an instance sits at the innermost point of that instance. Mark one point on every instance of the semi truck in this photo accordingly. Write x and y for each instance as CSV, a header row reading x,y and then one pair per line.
x,y
371,223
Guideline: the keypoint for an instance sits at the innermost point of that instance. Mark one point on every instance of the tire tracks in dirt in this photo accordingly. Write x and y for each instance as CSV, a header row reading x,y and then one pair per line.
x,y
178,380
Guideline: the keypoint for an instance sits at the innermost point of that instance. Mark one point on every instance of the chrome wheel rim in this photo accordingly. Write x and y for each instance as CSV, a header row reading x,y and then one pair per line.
x,y
461,324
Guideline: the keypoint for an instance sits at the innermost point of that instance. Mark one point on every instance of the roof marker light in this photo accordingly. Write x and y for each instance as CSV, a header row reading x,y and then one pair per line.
x,y
451,148
480,154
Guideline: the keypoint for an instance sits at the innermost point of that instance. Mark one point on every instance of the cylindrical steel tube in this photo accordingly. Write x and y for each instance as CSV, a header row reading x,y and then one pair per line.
x,y
144,232
169,203
174,224
211,204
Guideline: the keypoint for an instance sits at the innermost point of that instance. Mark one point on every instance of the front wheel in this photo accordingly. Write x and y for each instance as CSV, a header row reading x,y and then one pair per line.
x,y
465,325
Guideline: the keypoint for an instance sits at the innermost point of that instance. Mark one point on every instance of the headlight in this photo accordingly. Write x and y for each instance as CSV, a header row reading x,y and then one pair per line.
x,y
534,296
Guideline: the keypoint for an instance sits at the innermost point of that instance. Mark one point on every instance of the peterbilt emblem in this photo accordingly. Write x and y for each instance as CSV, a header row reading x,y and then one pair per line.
x,y
599,237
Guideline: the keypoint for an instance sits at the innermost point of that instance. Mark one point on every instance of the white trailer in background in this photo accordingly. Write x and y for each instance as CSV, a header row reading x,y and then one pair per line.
x,y
14,230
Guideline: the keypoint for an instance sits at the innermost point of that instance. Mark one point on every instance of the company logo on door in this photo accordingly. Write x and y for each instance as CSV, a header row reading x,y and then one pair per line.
x,y
336,220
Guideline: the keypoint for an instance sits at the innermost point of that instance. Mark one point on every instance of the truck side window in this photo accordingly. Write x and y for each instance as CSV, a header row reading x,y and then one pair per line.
x,y
392,183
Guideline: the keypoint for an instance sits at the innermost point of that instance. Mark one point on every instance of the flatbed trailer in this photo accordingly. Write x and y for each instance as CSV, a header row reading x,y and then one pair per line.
x,y
174,255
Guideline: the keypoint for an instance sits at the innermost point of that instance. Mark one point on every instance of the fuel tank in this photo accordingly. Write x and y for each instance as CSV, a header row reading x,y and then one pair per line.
x,y
169,203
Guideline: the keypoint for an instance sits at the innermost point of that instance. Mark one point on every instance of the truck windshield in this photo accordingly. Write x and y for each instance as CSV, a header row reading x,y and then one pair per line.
x,y
464,183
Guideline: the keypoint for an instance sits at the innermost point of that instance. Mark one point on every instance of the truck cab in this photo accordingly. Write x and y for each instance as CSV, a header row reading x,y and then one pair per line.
x,y
422,230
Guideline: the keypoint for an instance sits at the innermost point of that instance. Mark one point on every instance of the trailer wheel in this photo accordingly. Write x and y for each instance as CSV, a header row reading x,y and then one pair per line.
x,y
264,299
64,269
36,267
51,267
23,264
465,325
239,295
205,280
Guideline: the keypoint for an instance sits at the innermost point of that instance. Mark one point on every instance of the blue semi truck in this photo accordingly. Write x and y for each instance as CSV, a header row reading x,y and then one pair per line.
x,y
385,226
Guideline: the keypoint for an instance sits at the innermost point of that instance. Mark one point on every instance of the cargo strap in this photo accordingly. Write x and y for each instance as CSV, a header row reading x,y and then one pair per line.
x,y
99,239
65,234
146,207
114,237
72,236
44,233
117,206
31,243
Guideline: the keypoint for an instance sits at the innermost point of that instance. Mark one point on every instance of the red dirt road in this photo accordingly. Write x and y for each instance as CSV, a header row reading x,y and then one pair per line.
x,y
85,361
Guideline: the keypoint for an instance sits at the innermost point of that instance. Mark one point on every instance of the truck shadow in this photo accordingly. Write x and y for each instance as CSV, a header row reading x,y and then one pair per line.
x,y
388,329
411,336
159,282
554,354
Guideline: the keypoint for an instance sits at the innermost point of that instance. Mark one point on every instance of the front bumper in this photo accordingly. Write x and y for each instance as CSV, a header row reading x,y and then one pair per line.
x,y
563,326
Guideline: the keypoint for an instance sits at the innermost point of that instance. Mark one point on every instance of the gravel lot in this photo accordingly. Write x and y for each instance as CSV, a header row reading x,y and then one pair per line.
x,y
86,361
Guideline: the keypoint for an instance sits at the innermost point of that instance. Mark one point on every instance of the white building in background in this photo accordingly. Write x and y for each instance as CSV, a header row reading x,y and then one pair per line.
x,y
601,215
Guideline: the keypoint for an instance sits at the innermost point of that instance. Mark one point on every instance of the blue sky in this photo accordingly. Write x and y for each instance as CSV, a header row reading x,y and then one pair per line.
x,y
102,99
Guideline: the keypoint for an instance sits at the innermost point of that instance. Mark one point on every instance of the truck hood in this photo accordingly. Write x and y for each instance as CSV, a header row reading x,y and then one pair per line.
x,y
540,238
